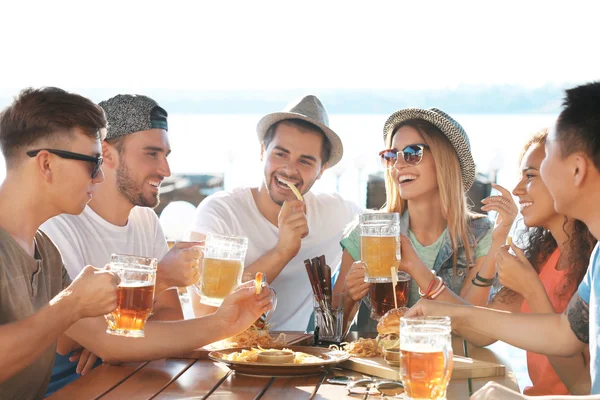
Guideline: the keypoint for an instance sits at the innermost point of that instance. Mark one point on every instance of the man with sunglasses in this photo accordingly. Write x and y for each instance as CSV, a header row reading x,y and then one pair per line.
x,y
38,301
119,219
297,146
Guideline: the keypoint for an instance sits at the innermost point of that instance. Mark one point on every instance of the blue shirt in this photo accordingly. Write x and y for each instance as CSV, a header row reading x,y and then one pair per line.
x,y
64,373
589,291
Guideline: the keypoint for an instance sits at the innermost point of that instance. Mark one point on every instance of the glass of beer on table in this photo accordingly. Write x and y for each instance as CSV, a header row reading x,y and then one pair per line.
x,y
381,295
135,294
425,356
222,267
379,245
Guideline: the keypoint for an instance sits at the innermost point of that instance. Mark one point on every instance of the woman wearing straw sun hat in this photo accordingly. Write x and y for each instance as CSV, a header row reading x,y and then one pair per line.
x,y
429,168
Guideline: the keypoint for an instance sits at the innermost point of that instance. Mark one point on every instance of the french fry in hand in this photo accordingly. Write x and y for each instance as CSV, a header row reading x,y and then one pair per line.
x,y
258,282
509,240
293,188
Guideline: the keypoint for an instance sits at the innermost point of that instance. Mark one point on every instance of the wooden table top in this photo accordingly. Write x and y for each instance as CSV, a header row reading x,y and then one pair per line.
x,y
186,378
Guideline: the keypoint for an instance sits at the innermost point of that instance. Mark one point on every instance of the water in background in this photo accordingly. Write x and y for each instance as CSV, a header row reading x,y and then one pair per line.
x,y
228,144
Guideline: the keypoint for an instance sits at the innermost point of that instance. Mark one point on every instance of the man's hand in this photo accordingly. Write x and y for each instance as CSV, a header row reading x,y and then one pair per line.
x,y
356,287
180,267
432,308
86,360
94,292
293,227
242,307
495,391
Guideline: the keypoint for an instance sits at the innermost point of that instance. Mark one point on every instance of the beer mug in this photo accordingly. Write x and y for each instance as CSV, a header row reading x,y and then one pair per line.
x,y
425,356
221,268
135,294
379,245
381,295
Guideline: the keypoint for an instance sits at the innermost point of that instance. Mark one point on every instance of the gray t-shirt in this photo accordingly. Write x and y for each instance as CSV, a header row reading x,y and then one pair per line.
x,y
26,285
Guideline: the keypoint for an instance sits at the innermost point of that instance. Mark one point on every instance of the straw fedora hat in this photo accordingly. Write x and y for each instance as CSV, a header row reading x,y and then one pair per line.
x,y
445,123
310,109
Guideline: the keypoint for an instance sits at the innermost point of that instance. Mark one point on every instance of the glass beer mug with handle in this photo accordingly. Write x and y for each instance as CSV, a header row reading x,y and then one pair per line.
x,y
425,356
135,294
221,268
379,245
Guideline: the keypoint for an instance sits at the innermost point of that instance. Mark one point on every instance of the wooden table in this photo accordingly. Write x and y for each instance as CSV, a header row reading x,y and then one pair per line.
x,y
187,378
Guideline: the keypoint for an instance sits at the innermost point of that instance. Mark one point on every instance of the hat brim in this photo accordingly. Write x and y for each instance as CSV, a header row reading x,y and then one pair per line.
x,y
455,134
337,149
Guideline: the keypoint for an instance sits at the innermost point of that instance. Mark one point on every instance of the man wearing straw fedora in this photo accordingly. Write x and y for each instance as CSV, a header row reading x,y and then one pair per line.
x,y
297,146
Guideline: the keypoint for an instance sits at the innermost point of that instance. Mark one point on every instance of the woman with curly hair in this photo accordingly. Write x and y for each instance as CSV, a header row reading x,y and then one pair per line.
x,y
543,276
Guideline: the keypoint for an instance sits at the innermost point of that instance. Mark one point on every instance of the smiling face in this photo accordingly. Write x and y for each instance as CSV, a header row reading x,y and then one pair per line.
x,y
416,181
293,155
72,185
536,203
142,166
557,172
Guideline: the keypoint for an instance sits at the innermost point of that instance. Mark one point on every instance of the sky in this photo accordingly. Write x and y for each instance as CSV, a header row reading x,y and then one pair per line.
x,y
227,45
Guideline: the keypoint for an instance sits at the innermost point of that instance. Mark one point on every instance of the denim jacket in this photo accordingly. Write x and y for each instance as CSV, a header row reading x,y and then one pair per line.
x,y
442,267
443,262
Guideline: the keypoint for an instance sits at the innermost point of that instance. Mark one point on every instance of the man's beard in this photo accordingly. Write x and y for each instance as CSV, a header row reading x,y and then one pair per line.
x,y
131,191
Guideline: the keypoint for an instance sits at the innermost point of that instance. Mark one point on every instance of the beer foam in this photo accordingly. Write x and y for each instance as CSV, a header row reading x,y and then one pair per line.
x,y
421,347
139,284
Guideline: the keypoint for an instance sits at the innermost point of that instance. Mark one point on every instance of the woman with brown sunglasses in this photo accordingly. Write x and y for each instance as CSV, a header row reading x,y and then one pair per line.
x,y
429,168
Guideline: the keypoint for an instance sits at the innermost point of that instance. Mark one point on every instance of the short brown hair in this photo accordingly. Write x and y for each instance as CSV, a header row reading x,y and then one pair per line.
x,y
37,114
303,126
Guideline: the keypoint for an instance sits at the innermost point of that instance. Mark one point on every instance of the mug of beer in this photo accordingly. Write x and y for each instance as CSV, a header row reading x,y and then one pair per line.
x,y
135,294
222,267
379,245
381,295
425,356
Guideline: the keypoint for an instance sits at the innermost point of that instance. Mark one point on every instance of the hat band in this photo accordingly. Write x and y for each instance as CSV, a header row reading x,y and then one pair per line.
x,y
158,124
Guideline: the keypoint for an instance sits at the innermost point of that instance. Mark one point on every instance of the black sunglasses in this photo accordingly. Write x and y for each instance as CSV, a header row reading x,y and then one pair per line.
x,y
73,156
412,155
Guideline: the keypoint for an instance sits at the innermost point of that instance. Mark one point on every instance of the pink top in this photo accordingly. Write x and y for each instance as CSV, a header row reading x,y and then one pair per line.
x,y
542,375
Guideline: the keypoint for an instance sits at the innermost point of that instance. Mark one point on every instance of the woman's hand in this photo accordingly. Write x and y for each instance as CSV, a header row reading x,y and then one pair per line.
x,y
507,211
356,287
410,259
516,272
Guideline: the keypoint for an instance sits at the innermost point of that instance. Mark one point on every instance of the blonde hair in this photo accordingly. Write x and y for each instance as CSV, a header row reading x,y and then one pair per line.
x,y
455,208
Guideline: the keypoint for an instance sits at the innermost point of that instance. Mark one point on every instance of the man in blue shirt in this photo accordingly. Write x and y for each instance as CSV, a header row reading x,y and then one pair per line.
x,y
571,171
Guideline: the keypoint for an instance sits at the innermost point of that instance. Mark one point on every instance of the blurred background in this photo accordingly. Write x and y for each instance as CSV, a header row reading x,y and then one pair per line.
x,y
218,67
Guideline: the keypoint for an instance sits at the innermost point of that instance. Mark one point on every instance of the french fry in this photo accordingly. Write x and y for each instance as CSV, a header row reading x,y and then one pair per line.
x,y
394,271
509,240
258,282
293,188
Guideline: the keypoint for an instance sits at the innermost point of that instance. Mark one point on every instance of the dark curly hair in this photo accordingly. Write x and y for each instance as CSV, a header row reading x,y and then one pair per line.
x,y
540,244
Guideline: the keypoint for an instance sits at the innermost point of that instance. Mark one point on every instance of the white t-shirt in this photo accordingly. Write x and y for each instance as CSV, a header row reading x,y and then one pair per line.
x,y
88,239
236,213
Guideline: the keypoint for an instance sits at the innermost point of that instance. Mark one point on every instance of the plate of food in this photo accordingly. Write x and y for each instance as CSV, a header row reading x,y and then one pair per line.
x,y
277,361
